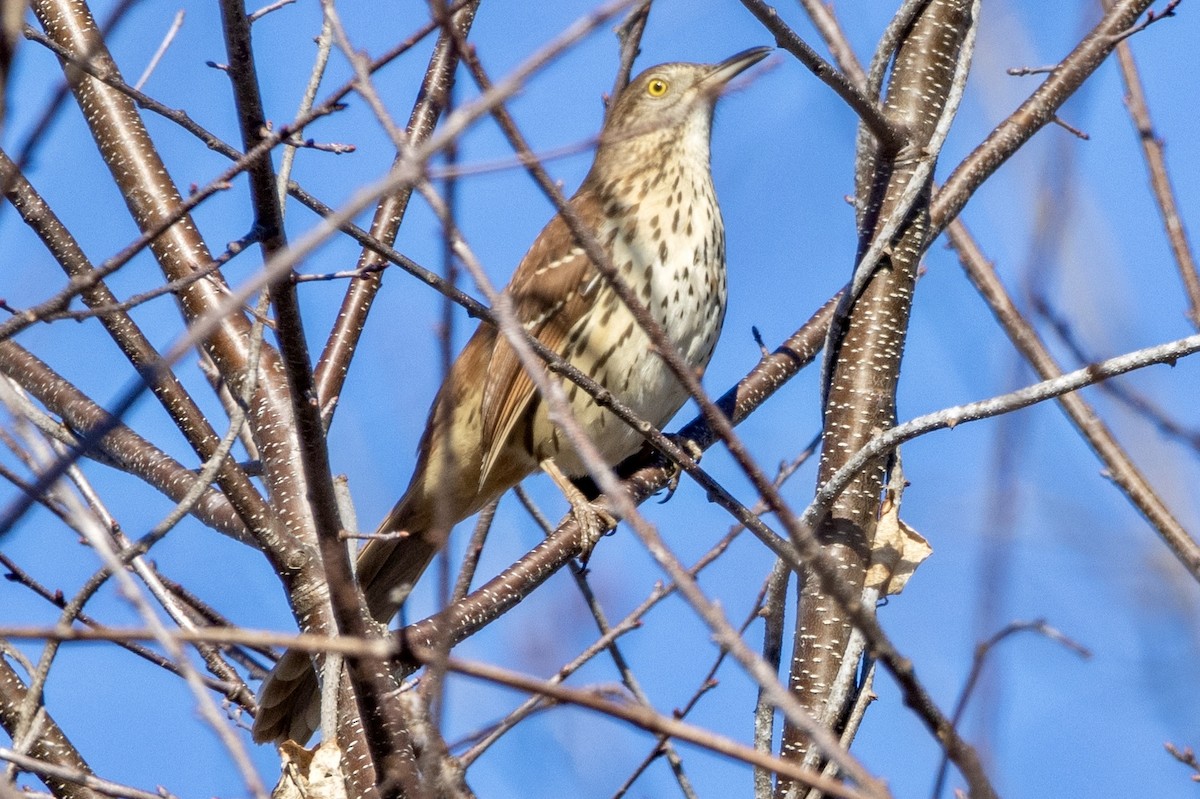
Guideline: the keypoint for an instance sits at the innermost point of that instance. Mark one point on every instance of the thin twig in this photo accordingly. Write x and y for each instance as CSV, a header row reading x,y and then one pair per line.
x,y
101,786
169,37
982,652
1160,178
651,721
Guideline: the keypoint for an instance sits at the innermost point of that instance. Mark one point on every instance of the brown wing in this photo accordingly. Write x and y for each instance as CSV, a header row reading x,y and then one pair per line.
x,y
548,300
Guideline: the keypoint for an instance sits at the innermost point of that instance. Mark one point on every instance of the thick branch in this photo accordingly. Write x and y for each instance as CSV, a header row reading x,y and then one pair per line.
x,y
865,363
152,198
50,745
374,690
133,343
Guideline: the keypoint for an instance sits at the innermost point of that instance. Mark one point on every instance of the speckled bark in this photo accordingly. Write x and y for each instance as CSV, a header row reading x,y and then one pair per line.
x,y
133,343
862,389
50,745
287,537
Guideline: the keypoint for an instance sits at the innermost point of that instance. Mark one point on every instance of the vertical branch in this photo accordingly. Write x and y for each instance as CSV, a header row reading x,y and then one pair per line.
x,y
393,761
389,213
866,367
143,179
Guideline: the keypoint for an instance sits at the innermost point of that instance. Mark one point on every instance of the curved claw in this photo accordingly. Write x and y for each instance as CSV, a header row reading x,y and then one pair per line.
x,y
691,448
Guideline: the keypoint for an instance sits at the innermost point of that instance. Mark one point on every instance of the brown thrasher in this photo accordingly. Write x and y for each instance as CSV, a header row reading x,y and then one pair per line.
x,y
649,200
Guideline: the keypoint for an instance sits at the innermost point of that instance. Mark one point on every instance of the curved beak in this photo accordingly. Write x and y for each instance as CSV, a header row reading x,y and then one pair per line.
x,y
733,66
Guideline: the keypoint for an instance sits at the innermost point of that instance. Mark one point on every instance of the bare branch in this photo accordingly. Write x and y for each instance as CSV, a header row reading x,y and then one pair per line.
x,y
50,747
1156,165
651,721
1120,468
168,37
890,137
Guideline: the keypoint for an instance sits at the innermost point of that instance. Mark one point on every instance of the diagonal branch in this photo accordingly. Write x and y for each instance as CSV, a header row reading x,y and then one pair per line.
x,y
1118,465
51,745
864,370
334,362
118,444
1035,113
234,483
1160,178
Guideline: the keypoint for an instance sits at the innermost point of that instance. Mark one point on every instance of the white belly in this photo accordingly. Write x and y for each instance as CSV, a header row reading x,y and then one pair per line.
x,y
679,275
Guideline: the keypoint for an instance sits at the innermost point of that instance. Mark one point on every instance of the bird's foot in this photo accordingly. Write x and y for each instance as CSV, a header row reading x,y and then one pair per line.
x,y
593,521
692,449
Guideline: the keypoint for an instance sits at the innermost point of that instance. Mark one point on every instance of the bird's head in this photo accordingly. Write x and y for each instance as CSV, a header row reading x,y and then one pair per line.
x,y
671,104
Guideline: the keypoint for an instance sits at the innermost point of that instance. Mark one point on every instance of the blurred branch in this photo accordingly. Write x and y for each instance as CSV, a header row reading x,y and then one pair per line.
x,y
1186,756
81,780
18,575
774,612
324,43
632,621
1137,402
168,37
232,636
118,444
628,678
98,524
1119,467
649,720
823,19
982,652
663,745
267,9
1160,179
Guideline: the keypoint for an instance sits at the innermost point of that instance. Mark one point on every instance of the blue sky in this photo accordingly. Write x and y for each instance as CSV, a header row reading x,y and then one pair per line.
x,y
1077,554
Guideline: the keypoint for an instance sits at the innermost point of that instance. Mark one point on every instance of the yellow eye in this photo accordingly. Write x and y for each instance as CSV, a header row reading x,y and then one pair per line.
x,y
657,87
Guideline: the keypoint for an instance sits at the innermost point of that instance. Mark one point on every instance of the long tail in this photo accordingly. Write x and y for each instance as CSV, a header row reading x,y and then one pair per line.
x,y
289,704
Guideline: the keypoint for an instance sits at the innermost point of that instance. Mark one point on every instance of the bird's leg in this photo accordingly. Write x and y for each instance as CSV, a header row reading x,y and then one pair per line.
x,y
692,449
593,521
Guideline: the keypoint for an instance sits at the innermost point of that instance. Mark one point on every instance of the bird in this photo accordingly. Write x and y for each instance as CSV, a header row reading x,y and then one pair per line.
x,y
650,203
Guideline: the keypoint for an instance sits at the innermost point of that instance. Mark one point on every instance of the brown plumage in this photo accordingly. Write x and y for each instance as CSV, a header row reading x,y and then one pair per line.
x,y
650,201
